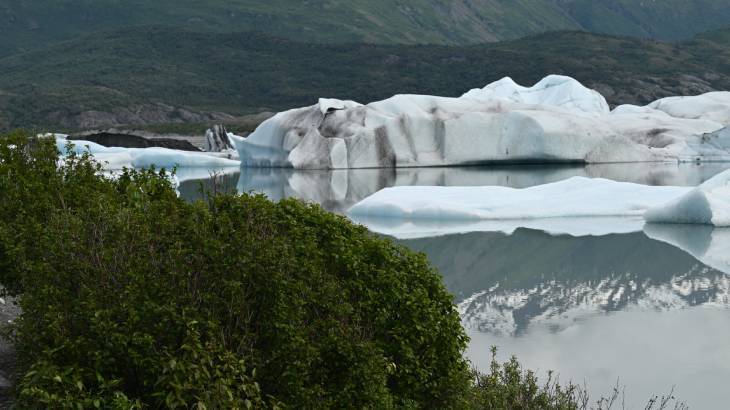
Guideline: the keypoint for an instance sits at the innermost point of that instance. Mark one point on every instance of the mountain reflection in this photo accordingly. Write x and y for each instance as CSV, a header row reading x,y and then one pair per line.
x,y
505,283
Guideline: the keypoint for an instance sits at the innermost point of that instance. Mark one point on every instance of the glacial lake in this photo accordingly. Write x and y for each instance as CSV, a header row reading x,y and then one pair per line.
x,y
649,309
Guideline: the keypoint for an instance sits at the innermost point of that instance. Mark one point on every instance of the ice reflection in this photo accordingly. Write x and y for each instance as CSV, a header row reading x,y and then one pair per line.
x,y
338,190
707,244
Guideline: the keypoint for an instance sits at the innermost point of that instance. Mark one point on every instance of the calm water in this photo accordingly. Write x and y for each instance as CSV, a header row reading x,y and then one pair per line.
x,y
650,308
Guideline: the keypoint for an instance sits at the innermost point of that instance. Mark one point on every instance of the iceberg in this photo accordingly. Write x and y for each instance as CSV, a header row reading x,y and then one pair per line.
x,y
553,207
556,120
576,206
707,204
116,158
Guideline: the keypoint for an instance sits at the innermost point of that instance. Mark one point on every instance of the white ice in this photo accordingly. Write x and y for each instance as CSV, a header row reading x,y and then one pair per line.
x,y
707,204
558,119
576,206
713,106
116,158
554,90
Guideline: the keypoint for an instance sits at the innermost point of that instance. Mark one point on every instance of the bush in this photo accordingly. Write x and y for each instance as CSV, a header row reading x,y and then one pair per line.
x,y
132,297
509,386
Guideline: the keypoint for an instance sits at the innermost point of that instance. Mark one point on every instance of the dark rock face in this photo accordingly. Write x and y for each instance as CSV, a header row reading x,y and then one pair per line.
x,y
133,141
134,115
216,139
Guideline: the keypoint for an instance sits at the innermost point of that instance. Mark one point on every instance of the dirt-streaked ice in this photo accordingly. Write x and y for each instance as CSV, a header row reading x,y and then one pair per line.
x,y
558,119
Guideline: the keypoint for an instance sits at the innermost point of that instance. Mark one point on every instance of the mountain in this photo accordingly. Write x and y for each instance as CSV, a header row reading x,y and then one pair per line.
x,y
28,24
147,75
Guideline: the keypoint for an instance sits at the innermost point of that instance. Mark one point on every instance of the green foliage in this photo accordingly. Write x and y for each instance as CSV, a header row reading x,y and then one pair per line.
x,y
136,68
509,386
134,297
33,189
46,385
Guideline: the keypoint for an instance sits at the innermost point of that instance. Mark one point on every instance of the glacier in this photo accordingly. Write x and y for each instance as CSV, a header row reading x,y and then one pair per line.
x,y
556,120
577,206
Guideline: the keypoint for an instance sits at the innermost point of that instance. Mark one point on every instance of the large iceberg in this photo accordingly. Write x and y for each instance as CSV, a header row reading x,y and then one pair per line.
x,y
573,197
557,120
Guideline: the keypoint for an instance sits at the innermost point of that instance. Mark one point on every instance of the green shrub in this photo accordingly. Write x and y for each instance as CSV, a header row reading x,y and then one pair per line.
x,y
133,297
509,386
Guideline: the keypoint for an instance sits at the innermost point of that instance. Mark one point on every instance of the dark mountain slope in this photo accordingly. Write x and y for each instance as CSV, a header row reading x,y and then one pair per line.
x,y
28,24
149,75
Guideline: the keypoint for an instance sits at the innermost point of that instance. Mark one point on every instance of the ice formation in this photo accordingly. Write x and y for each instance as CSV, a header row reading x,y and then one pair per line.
x,y
576,206
576,197
117,158
713,106
707,204
558,119
553,90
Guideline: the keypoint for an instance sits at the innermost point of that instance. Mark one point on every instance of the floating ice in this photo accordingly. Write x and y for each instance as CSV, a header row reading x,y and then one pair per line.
x,y
707,204
557,120
117,158
577,206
